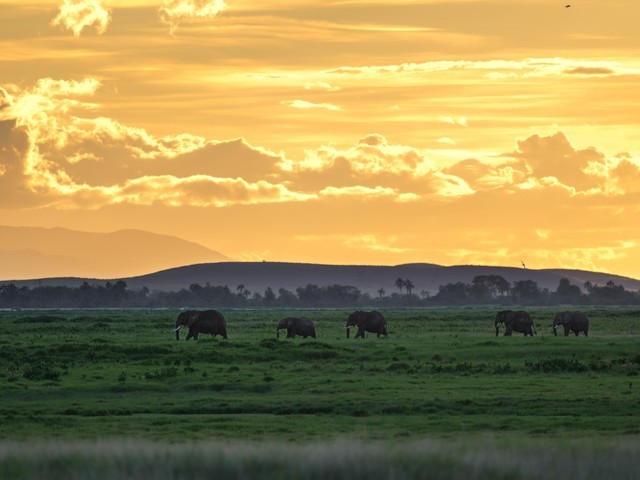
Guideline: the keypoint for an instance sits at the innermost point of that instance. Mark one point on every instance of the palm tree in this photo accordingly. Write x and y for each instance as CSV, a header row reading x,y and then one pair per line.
x,y
381,292
240,289
400,284
408,284
588,286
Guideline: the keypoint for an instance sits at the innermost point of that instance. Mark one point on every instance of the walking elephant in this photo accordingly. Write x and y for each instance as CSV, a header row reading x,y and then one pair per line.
x,y
367,322
207,321
575,322
518,321
301,326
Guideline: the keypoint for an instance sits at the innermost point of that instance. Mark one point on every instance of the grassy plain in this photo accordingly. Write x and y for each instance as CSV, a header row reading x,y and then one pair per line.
x,y
80,388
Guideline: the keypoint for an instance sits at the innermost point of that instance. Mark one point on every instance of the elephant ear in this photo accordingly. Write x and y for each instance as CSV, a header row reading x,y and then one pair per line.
x,y
509,316
566,317
193,318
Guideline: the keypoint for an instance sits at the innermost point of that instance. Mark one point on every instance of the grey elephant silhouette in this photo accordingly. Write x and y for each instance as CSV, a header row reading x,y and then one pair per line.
x,y
575,322
301,326
207,321
373,322
515,321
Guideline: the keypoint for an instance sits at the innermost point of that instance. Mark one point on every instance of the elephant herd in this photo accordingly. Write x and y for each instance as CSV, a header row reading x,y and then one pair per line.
x,y
521,322
214,323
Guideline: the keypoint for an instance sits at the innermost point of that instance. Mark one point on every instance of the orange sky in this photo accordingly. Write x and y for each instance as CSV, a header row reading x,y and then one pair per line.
x,y
377,132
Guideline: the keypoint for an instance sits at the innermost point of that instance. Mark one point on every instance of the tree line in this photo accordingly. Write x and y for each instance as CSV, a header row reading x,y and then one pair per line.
x,y
483,290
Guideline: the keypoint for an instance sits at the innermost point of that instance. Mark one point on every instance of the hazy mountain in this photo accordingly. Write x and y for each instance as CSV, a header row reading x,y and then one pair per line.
x,y
33,252
257,276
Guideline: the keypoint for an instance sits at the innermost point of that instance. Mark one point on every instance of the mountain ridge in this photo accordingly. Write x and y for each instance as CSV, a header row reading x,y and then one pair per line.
x,y
257,276
32,252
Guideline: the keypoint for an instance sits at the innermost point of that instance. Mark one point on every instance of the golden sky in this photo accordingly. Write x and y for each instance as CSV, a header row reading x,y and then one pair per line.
x,y
373,132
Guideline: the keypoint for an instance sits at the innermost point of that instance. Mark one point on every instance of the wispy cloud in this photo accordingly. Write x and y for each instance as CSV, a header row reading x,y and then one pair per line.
x,y
175,12
601,71
76,15
303,104
461,121
530,67
327,87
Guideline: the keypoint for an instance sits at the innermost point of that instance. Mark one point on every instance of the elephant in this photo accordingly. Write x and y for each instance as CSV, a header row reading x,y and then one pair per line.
x,y
519,321
207,321
302,326
571,321
367,322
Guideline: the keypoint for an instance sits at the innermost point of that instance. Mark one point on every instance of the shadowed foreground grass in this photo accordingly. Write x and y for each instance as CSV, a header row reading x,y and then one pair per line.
x,y
477,458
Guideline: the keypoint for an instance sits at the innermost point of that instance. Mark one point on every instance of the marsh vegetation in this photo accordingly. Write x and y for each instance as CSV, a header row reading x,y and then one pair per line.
x,y
441,392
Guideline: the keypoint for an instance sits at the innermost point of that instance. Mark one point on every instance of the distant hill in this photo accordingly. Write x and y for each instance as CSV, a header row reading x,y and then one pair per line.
x,y
257,276
33,252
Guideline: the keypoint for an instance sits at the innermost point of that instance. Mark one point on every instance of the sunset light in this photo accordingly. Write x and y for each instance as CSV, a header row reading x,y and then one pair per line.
x,y
346,132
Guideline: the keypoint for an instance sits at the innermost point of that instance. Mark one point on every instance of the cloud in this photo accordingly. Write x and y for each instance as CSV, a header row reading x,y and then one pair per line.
x,y
303,104
76,15
14,149
366,241
55,149
563,255
626,175
372,165
585,170
479,175
327,87
175,12
358,191
50,155
496,69
461,121
203,191
600,71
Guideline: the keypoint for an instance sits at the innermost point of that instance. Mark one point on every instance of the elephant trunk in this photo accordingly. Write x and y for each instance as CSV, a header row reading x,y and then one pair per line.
x,y
177,330
555,330
497,330
348,327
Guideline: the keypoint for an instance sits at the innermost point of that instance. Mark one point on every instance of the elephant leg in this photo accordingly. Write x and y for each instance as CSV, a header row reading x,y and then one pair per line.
x,y
576,332
508,330
190,334
566,332
360,332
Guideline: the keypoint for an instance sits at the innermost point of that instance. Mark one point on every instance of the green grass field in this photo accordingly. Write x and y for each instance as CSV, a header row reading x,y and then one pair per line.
x,y
79,389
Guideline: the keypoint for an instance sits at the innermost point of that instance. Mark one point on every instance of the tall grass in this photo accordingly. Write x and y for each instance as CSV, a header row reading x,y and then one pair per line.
x,y
477,458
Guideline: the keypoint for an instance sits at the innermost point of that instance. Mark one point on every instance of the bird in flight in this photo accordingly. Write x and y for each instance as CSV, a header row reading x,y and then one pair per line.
x,y
567,6
523,265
